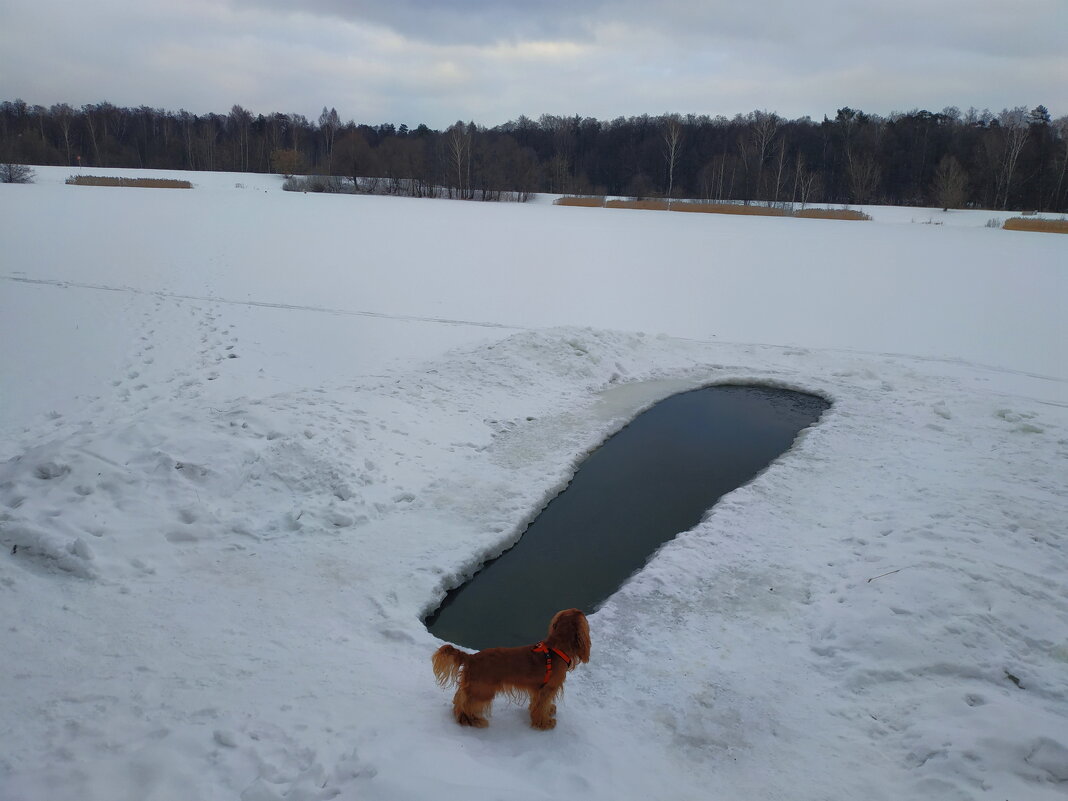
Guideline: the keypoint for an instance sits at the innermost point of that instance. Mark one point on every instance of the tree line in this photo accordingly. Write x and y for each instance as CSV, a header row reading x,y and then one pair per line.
x,y
1014,159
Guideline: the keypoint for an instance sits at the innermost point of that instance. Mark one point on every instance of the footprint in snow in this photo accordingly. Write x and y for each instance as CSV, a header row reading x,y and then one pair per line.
x,y
1023,418
50,470
181,537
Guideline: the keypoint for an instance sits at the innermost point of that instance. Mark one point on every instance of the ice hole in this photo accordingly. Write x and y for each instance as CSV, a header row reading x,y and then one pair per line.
x,y
650,481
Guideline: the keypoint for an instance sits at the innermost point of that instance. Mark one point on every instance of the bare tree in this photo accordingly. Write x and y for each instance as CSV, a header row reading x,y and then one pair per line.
x,y
779,171
298,123
562,162
287,162
207,129
808,187
241,119
1013,123
458,153
864,177
329,122
1060,125
355,157
672,136
559,172
64,114
745,155
706,180
720,182
763,127
950,183
16,174
187,136
799,168
88,111
806,182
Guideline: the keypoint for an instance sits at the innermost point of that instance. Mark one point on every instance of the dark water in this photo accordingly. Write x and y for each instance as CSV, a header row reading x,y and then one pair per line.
x,y
650,481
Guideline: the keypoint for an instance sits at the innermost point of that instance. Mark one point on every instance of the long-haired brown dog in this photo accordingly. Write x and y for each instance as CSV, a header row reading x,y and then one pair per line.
x,y
536,671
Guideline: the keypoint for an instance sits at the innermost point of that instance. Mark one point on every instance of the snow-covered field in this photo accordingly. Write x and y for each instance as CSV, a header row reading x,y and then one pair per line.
x,y
248,438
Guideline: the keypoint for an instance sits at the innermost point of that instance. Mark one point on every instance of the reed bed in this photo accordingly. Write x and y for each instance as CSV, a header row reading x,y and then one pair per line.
x,y
832,214
714,208
646,205
1033,224
141,183
580,201
729,208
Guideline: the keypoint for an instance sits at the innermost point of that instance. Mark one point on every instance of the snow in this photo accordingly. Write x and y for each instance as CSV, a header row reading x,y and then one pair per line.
x,y
249,438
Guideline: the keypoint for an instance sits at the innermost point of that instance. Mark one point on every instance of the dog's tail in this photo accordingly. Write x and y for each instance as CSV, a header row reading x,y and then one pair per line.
x,y
448,662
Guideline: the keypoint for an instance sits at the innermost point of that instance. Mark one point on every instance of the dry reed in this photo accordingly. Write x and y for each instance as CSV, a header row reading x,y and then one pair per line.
x,y
832,214
714,208
1047,226
647,205
728,208
147,183
580,201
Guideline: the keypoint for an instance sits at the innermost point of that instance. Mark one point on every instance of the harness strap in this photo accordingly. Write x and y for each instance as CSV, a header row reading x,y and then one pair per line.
x,y
542,648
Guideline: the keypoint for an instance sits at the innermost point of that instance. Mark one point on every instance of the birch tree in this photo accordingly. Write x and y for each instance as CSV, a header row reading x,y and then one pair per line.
x,y
671,133
329,122
763,127
458,154
1013,123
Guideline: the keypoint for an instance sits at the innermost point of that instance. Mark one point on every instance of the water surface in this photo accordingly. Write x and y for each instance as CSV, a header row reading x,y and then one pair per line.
x,y
650,481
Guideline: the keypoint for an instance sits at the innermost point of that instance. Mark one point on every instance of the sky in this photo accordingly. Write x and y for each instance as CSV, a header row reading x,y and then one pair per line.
x,y
437,61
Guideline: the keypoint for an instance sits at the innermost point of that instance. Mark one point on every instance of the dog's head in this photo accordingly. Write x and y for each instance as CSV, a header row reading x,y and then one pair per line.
x,y
570,632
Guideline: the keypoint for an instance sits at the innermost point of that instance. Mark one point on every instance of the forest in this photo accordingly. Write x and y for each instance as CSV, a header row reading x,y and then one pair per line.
x,y
1015,159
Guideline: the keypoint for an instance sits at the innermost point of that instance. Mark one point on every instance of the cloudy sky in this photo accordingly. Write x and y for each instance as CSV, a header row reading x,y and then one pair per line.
x,y
436,61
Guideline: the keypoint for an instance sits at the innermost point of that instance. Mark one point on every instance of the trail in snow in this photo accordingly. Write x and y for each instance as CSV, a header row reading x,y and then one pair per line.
x,y
261,303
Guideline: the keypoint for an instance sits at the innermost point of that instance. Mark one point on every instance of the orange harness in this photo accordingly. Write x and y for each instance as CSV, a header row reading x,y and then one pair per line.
x,y
542,648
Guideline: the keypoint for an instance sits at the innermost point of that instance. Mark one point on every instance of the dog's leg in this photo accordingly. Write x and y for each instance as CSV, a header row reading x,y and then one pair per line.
x,y
543,708
471,708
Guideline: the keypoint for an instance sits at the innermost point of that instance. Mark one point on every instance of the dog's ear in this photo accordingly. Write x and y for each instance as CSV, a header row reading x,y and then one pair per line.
x,y
582,638
570,629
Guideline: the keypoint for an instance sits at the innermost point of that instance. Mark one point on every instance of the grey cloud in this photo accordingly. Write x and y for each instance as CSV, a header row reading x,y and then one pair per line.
x,y
462,22
491,60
